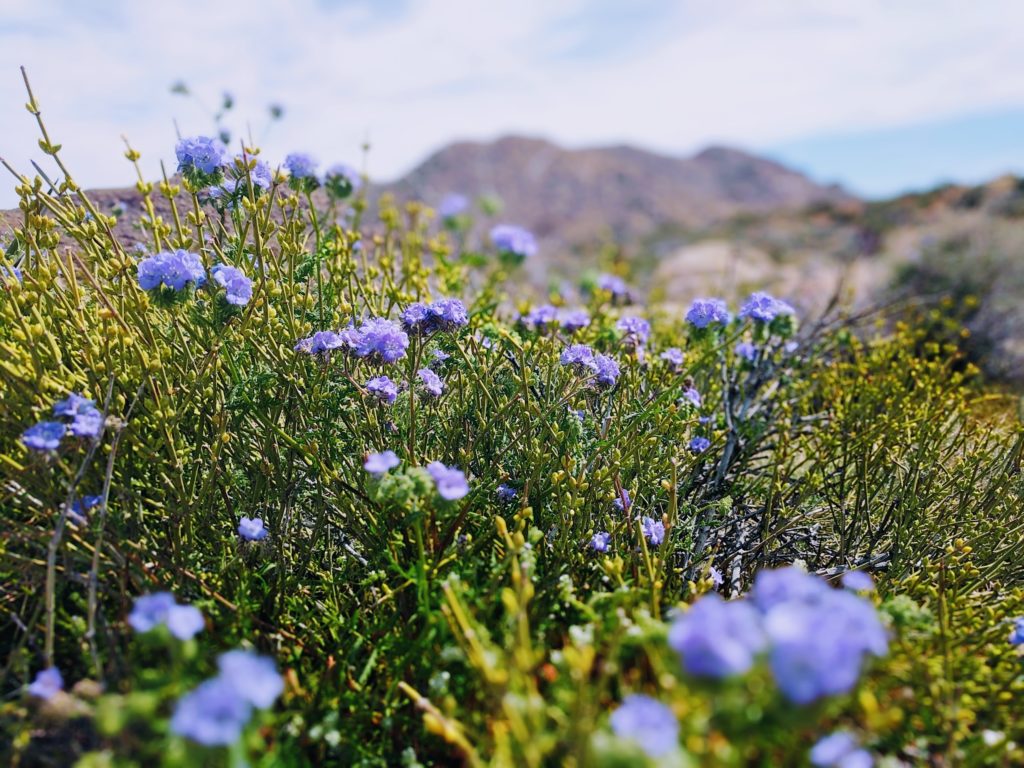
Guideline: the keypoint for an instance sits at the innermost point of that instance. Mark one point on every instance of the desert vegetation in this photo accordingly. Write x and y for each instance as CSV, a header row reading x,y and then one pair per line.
x,y
301,478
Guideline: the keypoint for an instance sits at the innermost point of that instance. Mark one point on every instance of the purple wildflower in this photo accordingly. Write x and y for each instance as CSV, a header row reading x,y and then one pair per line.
x,y
540,318
160,608
301,166
653,530
214,714
453,205
647,722
200,155
342,180
171,269
746,351
635,331
614,285
572,320
506,492
600,541
622,503
607,371
320,343
254,677
47,684
839,750
80,507
703,312
383,388
237,287
1017,635
857,581
764,308
252,529
513,240
693,397
378,464
699,444
580,357
44,436
674,357
717,638
381,338
450,482
431,381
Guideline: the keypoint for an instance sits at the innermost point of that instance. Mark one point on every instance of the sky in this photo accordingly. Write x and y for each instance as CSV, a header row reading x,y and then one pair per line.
x,y
879,95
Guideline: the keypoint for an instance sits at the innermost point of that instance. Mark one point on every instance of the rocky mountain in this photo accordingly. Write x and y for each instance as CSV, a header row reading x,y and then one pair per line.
x,y
576,197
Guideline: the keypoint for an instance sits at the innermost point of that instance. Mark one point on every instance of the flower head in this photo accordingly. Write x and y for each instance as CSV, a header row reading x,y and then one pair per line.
x,y
431,382
607,371
160,608
692,396
622,502
857,581
382,339
450,482
513,240
580,357
703,312
839,750
320,343
572,320
1017,635
600,541
237,287
342,180
674,357
614,285
764,308
453,205
200,156
635,331
378,464
506,492
171,269
746,351
716,638
647,722
48,683
252,529
699,444
301,167
79,508
653,530
540,318
441,315
254,677
383,388
44,436
214,714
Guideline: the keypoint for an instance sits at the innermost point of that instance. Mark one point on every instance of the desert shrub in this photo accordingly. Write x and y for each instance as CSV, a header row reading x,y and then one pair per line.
x,y
477,559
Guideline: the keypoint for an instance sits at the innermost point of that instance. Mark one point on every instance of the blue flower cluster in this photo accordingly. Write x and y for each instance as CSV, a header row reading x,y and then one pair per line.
x,y
200,157
452,206
47,684
584,360
840,750
816,638
383,388
764,308
704,312
171,269
217,711
648,723
161,609
376,339
635,331
614,285
431,382
513,240
378,464
301,169
79,417
252,529
441,315
451,483
237,287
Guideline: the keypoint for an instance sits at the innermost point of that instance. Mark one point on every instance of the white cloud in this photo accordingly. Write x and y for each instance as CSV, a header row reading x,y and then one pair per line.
x,y
753,72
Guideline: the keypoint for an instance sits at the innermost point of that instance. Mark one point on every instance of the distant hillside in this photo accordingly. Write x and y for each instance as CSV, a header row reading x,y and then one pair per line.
x,y
571,197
